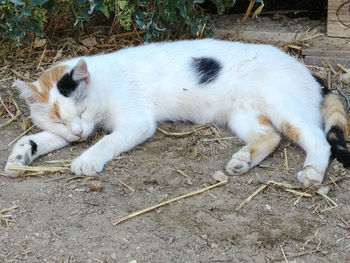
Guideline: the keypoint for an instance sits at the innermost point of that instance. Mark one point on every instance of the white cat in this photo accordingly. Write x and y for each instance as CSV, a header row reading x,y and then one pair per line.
x,y
256,90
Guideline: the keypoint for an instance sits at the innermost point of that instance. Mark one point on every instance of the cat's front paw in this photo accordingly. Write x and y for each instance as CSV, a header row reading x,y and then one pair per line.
x,y
310,176
239,163
21,155
87,165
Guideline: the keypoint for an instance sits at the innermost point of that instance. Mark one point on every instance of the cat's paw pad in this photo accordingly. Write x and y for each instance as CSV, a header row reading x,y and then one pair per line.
x,y
310,176
86,165
20,156
239,163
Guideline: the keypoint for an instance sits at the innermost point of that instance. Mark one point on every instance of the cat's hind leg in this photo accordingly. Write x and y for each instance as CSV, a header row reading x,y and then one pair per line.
x,y
312,139
30,147
261,138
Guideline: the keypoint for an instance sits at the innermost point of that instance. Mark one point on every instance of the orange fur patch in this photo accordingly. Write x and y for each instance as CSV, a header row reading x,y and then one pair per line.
x,y
264,121
54,111
262,144
290,131
334,113
46,81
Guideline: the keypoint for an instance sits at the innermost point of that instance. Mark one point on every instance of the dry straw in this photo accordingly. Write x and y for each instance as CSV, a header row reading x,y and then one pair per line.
x,y
116,222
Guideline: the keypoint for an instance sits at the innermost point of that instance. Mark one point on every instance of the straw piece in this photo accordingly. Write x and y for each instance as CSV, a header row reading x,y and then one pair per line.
x,y
286,160
38,168
262,187
181,172
10,120
127,186
23,133
116,222
8,209
8,111
183,133
301,194
284,255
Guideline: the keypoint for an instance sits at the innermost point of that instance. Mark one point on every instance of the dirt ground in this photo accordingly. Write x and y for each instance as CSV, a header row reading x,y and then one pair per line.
x,y
59,219
55,217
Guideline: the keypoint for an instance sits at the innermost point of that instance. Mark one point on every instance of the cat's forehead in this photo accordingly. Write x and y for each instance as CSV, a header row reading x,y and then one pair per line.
x,y
48,80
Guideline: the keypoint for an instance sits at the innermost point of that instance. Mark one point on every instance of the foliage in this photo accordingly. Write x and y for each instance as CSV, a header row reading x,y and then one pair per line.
x,y
22,20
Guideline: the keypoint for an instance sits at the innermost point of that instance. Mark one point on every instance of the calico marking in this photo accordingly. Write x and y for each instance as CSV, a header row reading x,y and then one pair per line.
x,y
34,147
207,68
339,150
66,85
324,88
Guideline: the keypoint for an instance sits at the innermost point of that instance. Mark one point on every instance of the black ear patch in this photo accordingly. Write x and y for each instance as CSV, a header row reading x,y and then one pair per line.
x,y
207,68
66,85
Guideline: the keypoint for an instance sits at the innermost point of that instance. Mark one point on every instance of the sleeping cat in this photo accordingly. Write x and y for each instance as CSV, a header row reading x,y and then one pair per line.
x,y
258,91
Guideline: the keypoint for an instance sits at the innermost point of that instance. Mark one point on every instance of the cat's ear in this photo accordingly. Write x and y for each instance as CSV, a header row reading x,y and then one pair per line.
x,y
26,91
80,72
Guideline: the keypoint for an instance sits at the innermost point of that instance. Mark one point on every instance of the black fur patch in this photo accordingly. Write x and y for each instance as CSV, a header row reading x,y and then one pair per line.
x,y
324,88
339,150
208,69
34,147
66,85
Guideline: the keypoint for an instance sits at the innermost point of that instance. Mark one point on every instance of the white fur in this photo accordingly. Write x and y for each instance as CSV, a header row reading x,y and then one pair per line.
x,y
128,92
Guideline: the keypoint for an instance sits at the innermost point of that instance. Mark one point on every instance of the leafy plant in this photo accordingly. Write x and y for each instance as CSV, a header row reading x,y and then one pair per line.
x,y
22,20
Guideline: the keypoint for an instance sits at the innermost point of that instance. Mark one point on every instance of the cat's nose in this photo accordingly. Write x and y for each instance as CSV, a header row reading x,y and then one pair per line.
x,y
78,134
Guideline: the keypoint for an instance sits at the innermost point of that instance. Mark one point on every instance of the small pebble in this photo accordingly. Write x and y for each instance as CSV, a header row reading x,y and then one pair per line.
x,y
220,176
267,207
345,78
113,255
96,186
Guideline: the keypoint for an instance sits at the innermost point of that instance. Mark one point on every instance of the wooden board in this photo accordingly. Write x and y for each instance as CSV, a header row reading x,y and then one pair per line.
x,y
338,20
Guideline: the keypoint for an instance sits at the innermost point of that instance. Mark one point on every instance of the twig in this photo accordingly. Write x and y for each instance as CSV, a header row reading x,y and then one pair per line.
x,y
262,187
116,222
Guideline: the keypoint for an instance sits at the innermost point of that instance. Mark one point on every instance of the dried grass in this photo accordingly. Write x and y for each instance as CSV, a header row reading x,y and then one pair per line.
x,y
116,222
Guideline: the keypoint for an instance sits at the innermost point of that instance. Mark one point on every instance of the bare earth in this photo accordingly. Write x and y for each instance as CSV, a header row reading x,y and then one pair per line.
x,y
59,219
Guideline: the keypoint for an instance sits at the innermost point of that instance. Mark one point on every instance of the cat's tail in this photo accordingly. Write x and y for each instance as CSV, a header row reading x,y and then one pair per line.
x,y
335,125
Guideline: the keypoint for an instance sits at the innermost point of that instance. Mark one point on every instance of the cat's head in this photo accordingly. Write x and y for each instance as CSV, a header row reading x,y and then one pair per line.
x,y
57,100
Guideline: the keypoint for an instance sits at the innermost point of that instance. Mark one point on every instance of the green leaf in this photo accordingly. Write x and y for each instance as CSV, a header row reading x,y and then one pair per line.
x,y
37,2
123,4
15,2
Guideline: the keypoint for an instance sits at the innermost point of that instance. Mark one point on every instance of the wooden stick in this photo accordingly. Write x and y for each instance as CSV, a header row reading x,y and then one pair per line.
x,y
249,9
116,222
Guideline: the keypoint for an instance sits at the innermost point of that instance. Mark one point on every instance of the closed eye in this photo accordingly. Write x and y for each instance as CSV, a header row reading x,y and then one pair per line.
x,y
81,113
61,122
